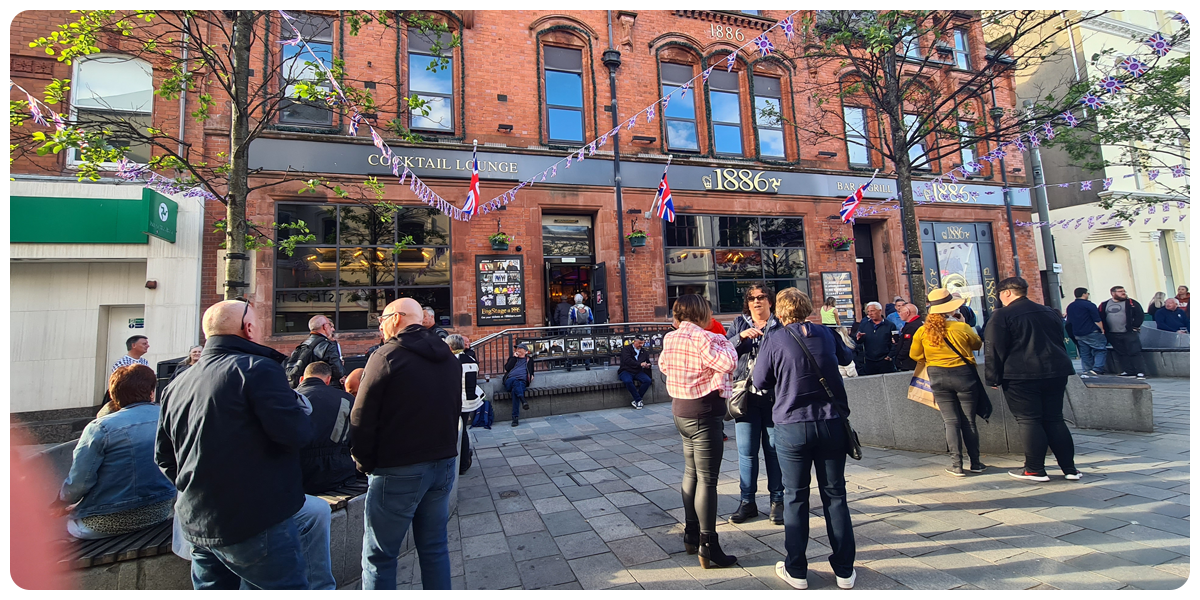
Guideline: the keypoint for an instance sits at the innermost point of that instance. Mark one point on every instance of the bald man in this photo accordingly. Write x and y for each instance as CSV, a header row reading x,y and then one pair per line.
x,y
404,435
353,380
229,436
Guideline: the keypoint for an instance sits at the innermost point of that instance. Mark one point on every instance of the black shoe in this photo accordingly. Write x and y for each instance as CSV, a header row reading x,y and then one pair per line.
x,y
691,537
1125,374
515,423
711,554
777,513
1028,476
524,405
977,467
746,510
956,470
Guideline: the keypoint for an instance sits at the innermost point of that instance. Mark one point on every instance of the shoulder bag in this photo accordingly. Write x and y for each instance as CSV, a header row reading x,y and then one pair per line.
x,y
739,401
853,448
984,408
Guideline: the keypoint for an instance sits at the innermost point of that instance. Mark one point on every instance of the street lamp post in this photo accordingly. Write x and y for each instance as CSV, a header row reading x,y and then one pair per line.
x,y
612,59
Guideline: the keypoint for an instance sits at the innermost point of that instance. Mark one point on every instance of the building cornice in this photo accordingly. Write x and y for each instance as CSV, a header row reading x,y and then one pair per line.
x,y
1128,30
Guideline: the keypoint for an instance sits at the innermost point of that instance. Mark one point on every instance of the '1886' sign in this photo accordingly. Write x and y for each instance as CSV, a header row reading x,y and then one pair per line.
x,y
741,180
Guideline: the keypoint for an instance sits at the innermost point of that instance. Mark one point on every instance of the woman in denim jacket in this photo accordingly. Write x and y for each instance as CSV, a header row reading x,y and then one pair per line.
x,y
114,484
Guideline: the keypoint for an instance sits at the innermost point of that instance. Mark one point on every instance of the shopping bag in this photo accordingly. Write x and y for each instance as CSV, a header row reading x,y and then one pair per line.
x,y
919,389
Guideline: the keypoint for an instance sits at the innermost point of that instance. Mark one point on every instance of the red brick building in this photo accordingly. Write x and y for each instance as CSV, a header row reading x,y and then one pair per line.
x,y
753,199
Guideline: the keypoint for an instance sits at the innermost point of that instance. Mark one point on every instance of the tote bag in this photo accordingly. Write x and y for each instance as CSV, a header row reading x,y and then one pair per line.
x,y
919,389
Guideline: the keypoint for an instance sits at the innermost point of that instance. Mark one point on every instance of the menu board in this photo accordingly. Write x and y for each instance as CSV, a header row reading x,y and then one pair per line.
x,y
500,285
839,285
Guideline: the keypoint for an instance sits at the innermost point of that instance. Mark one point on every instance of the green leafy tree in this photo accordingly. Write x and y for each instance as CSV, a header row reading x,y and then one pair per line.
x,y
209,57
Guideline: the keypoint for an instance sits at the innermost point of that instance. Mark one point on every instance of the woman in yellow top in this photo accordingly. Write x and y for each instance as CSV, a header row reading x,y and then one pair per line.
x,y
955,385
829,314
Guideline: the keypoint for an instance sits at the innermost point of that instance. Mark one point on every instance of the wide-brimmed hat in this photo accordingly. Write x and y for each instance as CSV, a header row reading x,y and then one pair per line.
x,y
942,301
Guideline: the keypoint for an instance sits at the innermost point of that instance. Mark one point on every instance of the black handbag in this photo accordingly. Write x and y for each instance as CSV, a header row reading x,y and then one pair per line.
x,y
739,402
984,408
853,447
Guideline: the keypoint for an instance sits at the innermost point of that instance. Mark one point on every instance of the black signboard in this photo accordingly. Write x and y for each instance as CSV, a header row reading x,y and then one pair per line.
x,y
839,285
500,283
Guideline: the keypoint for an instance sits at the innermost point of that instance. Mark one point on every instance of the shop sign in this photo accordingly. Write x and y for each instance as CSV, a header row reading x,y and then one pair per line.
x,y
725,32
741,180
954,232
500,290
163,215
840,286
441,164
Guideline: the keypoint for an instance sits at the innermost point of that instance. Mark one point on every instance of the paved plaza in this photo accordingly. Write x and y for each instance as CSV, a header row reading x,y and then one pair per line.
x,y
591,501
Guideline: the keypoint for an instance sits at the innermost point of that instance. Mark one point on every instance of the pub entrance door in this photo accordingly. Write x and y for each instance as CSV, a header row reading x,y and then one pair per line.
x,y
570,266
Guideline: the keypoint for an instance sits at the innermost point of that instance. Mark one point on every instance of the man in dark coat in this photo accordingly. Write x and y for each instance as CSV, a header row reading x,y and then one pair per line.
x,y
1123,318
1171,318
912,322
518,375
1024,352
229,436
404,435
319,345
635,370
325,460
562,312
877,337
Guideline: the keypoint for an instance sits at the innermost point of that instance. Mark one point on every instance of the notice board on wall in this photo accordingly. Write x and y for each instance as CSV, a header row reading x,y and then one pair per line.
x,y
839,285
500,290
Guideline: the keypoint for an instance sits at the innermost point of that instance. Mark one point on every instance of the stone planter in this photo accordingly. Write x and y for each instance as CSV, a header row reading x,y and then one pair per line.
x,y
500,246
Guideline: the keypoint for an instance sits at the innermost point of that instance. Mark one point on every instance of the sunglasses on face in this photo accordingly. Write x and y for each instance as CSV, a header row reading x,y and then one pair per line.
x,y
758,298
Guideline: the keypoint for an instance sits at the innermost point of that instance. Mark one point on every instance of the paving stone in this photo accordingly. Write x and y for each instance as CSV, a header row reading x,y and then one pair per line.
x,y
495,572
645,483
612,486
484,545
545,490
627,498
637,550
707,577
473,491
478,524
663,575
915,574
512,505
545,572
647,515
601,572
471,506
976,571
984,547
565,522
580,492
534,477
546,506
574,585
529,546
1131,551
522,522
594,507
1153,538
665,499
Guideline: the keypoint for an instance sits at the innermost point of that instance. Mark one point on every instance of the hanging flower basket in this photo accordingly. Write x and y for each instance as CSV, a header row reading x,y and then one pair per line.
x,y
841,243
637,239
499,241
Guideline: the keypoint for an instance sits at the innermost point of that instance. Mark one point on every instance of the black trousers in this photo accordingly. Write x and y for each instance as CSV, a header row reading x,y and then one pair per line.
x,y
464,450
703,446
957,394
1128,346
1037,405
876,367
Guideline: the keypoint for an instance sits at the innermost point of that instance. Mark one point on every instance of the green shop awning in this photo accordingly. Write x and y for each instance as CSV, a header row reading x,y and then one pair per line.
x,y
46,220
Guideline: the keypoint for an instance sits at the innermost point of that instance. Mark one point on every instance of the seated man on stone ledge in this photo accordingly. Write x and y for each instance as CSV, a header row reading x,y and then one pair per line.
x,y
635,370
325,461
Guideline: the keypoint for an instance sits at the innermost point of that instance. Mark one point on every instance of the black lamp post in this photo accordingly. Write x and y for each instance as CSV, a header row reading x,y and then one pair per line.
x,y
612,59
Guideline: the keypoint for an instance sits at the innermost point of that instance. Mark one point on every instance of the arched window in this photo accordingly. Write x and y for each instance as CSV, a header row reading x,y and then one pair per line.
x,y
680,115
724,99
116,92
564,94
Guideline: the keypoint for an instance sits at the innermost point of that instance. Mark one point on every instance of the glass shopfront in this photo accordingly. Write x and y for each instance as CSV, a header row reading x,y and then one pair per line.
x,y
961,258
719,257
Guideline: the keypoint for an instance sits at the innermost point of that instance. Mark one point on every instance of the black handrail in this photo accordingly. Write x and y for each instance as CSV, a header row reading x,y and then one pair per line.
x,y
565,346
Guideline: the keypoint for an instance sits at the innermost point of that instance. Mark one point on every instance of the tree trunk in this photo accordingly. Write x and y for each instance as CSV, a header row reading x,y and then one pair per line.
x,y
908,215
237,262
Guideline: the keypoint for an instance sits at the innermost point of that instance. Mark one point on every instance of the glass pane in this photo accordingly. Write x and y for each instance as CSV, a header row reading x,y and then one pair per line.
x,y
725,108
676,75
681,105
968,157
307,267
566,125
424,266
359,309
364,225
770,142
800,284
120,123
564,89
312,27
437,298
959,268
114,83
855,121
320,220
728,139
723,80
783,263
916,152
419,41
689,264
689,230
294,66
733,264
706,289
440,116
737,231
566,240
961,50
366,266
427,226
681,135
857,151
766,112
294,309
564,58
421,79
766,86
783,232
301,113
732,295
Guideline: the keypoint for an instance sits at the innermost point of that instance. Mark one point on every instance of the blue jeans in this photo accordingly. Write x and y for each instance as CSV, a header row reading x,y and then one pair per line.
x,y
236,566
517,387
754,429
801,446
1093,348
637,390
397,497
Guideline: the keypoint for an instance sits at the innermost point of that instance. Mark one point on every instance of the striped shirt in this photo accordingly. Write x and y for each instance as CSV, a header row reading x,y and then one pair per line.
x,y
697,362
127,360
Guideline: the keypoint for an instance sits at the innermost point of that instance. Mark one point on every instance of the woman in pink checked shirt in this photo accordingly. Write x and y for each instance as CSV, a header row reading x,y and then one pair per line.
x,y
698,366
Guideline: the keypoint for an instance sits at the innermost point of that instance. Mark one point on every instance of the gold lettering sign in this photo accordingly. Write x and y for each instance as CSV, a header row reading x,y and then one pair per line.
x,y
949,192
725,32
743,180
955,232
441,164
884,187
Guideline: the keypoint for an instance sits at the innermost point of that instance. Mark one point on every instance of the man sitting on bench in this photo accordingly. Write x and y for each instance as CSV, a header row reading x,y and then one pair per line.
x,y
635,367
325,460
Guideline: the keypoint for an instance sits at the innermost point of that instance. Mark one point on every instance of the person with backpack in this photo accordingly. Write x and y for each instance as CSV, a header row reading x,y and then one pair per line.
x,y
580,314
472,395
320,346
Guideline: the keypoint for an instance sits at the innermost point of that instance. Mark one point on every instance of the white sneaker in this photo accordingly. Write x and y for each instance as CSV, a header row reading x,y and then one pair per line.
x,y
1085,375
1141,375
847,583
800,584
1076,476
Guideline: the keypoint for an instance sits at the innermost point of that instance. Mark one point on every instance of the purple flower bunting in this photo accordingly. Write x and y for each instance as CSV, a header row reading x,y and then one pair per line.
x,y
764,44
1111,84
1070,118
788,27
1159,44
1177,170
1091,100
1135,67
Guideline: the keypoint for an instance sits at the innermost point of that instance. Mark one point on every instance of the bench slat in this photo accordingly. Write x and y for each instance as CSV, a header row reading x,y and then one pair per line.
x,y
159,544
133,548
104,553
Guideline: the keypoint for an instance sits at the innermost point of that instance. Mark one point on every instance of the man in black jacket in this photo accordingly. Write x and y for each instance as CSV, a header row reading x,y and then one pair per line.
x,y
876,335
404,435
229,436
1025,353
1123,318
635,370
321,346
562,312
912,322
325,460
518,375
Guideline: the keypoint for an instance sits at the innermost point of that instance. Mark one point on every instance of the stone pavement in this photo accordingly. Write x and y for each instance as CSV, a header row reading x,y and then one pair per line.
x,y
591,501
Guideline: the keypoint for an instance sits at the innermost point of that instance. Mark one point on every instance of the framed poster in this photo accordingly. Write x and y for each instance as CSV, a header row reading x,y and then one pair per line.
x,y
839,285
501,283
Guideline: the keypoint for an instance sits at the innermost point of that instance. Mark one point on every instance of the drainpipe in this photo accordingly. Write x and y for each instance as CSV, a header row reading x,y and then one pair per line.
x,y
612,60
180,151
1054,294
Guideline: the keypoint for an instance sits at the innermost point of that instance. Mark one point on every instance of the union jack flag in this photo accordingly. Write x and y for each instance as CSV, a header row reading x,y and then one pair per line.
x,y
1090,100
1085,185
706,73
354,121
1020,144
1177,170
1153,174
631,123
1107,183
1049,129
729,62
666,208
683,90
788,26
851,202
36,112
378,141
649,114
1135,67
1111,84
1069,117
1159,44
764,44
1179,17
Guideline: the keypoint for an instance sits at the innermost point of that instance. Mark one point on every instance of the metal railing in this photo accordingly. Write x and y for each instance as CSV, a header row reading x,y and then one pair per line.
x,y
562,347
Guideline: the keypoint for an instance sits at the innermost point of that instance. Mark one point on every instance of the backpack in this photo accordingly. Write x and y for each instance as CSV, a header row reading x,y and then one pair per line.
x,y
296,363
484,416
